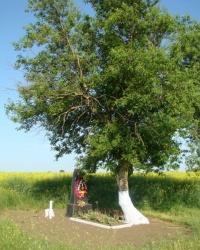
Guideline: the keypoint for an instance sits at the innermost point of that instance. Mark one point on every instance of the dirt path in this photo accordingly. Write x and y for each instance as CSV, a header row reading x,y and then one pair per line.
x,y
61,228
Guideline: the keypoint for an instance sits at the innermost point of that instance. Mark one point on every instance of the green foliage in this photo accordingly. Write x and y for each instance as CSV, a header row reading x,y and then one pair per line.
x,y
9,199
56,189
163,192
116,87
102,189
147,191
17,184
156,192
19,192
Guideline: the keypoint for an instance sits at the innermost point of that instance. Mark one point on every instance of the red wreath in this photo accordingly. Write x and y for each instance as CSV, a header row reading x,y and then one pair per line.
x,y
80,188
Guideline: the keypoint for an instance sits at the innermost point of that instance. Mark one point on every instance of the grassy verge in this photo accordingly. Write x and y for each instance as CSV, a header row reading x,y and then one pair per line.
x,y
166,198
11,237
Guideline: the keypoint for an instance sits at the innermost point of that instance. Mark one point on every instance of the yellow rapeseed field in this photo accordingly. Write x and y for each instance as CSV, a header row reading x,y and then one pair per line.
x,y
33,176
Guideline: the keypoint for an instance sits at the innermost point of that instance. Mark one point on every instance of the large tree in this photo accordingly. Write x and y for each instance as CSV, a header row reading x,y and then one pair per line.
x,y
117,88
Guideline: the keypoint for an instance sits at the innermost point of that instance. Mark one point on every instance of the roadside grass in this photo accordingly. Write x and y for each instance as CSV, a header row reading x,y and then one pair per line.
x,y
180,215
11,237
21,193
181,243
11,199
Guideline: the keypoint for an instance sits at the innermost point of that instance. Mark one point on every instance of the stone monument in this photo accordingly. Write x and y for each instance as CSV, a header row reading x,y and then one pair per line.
x,y
78,199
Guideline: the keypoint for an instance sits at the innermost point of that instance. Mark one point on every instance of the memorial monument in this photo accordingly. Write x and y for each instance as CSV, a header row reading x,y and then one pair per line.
x,y
78,199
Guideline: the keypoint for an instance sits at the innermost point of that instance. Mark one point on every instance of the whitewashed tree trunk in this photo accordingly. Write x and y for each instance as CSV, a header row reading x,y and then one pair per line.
x,y
131,214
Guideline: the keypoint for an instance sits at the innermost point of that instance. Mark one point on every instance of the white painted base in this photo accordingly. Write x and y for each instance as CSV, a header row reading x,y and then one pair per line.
x,y
131,214
101,225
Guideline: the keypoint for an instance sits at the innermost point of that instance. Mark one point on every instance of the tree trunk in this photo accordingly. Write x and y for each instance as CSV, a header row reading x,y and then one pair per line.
x,y
131,214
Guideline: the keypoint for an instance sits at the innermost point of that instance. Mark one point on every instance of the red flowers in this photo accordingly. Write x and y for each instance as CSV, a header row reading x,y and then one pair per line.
x,y
80,187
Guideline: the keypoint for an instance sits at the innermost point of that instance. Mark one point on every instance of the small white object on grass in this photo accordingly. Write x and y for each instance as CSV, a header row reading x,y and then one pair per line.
x,y
49,211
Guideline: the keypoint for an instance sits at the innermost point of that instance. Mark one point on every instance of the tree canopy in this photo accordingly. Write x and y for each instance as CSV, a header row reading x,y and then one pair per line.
x,y
117,88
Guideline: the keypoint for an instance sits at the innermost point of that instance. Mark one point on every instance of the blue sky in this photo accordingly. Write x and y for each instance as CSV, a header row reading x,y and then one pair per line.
x,y
31,152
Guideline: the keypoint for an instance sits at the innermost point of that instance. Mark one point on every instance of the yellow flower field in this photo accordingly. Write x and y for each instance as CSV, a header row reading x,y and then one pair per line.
x,y
146,190
32,176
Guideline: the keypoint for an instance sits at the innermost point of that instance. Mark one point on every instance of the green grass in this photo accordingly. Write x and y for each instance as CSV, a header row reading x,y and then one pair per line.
x,y
180,215
11,199
175,201
181,243
11,237
99,217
